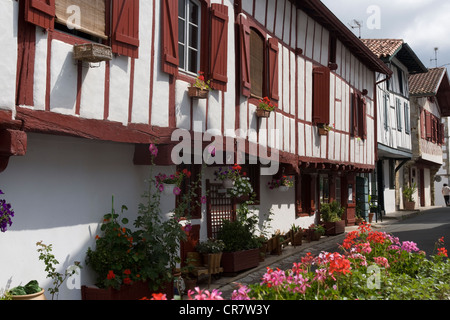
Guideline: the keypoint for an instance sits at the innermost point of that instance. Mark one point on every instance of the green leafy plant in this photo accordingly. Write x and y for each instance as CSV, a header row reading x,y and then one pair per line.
x,y
210,246
201,83
331,212
408,192
46,255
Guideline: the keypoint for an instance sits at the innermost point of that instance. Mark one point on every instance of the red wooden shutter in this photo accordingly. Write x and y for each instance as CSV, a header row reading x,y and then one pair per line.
x,y
170,58
125,27
354,115
245,56
273,69
40,13
441,133
428,128
422,125
362,121
219,46
321,95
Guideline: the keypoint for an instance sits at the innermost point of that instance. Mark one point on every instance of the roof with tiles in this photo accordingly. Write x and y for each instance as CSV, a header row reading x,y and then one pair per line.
x,y
434,83
426,84
387,49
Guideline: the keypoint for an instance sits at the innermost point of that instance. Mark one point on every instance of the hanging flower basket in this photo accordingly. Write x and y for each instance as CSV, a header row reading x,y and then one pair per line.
x,y
283,188
260,113
198,93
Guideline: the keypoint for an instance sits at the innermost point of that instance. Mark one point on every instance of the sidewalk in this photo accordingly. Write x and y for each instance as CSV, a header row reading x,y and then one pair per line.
x,y
291,254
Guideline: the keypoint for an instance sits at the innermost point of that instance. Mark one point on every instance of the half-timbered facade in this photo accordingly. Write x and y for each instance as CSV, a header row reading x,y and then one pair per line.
x,y
394,120
74,132
430,103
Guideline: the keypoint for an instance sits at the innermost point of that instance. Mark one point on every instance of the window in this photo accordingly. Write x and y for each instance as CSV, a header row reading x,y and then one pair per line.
x,y
88,19
82,18
189,35
183,39
338,190
258,62
324,189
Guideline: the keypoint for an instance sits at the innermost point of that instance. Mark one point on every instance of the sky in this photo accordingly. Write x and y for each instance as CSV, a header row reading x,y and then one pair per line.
x,y
423,24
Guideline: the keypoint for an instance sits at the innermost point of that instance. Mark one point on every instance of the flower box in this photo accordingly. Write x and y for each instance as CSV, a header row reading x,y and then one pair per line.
x,y
233,262
92,52
135,291
198,93
260,113
228,183
334,228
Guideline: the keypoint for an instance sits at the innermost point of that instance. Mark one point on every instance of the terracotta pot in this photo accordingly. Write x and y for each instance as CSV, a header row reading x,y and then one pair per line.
x,y
410,205
371,214
35,296
323,131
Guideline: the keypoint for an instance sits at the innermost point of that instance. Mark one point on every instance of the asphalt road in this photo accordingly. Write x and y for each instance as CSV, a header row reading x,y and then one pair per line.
x,y
424,229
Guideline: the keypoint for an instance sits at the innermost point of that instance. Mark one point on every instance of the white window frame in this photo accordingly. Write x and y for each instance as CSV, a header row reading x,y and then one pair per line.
x,y
187,37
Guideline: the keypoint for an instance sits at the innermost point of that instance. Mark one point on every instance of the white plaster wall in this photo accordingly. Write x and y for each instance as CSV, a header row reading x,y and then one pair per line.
x,y
40,70
60,191
142,71
63,79
8,62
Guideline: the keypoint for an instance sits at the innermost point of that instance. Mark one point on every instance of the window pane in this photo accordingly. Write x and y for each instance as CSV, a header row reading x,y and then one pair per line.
x,y
192,67
181,54
193,36
182,8
181,33
193,13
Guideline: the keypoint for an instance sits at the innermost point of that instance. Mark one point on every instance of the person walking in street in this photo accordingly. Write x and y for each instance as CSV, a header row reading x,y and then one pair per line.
x,y
446,194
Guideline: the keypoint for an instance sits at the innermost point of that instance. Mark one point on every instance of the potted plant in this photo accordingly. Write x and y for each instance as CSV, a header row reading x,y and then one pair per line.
x,y
212,247
265,107
228,175
200,88
30,291
242,189
331,214
297,235
170,184
324,129
242,245
283,184
315,231
408,192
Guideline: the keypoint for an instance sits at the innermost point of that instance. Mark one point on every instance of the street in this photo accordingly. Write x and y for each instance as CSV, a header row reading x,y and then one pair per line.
x,y
424,229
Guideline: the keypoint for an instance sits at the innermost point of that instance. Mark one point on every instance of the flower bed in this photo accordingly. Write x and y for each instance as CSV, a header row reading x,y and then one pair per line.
x,y
371,265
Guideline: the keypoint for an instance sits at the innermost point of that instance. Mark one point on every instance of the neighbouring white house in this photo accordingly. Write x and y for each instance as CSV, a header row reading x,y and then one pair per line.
x,y
73,133
394,132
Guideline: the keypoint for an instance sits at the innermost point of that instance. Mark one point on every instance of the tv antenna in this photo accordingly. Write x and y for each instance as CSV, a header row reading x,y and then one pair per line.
x,y
356,24
436,49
